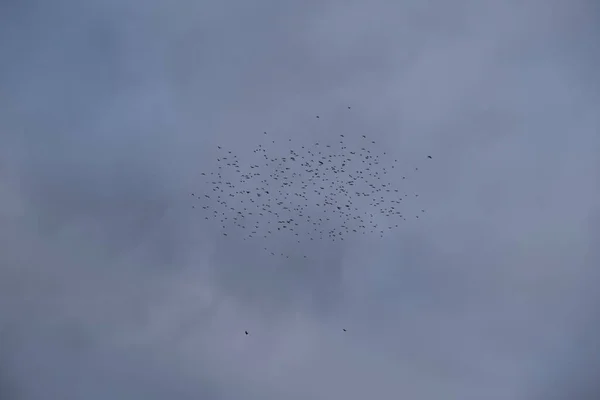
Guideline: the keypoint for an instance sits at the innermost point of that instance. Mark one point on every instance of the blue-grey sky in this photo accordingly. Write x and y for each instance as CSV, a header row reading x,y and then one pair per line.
x,y
111,286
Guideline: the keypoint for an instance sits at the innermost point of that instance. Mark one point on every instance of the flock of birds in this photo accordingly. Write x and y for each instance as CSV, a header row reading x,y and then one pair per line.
x,y
317,192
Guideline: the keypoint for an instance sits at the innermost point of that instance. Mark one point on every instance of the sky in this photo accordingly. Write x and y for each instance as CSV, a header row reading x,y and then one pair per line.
x,y
112,286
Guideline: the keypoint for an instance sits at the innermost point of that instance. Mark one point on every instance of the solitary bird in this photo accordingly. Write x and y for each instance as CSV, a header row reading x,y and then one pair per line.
x,y
246,332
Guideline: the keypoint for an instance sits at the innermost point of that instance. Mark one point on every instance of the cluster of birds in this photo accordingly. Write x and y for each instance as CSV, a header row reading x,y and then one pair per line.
x,y
323,191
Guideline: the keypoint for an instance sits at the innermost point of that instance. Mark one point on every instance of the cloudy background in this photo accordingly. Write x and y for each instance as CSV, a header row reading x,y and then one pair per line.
x,y
111,286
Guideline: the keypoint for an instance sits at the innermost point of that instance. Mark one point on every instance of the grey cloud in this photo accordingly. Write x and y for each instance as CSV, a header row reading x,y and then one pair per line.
x,y
112,286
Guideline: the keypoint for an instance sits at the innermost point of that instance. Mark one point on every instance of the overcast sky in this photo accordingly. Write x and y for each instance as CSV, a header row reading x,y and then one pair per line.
x,y
112,286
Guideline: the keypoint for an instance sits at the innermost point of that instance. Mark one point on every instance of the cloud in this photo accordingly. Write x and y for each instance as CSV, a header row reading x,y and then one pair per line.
x,y
111,285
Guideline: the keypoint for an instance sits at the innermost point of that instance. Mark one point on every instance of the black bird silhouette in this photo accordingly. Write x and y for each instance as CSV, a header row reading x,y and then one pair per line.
x,y
246,332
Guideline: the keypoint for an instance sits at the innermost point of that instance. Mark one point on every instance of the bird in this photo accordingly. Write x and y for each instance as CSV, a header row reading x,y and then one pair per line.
x,y
246,332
